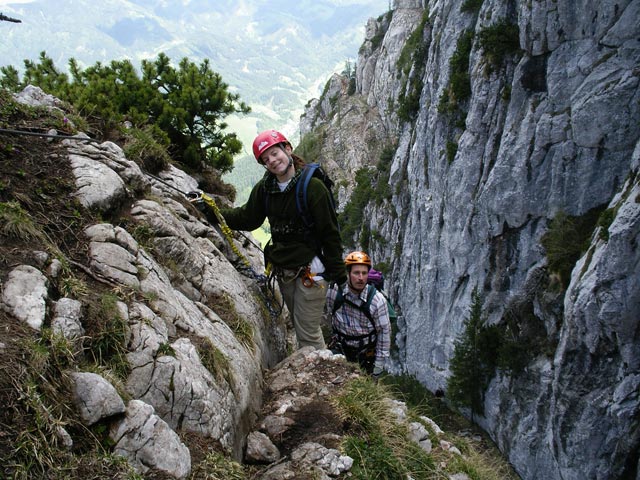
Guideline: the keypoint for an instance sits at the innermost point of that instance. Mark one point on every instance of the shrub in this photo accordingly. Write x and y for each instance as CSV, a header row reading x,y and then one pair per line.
x,y
471,6
310,147
459,89
604,222
498,41
452,149
413,54
566,240
352,217
188,103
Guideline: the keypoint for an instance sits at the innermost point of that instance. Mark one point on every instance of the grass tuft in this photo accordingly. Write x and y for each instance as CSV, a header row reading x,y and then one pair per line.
x,y
16,223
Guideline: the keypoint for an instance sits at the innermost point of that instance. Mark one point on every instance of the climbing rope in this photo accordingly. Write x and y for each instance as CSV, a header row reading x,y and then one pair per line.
x,y
47,135
266,280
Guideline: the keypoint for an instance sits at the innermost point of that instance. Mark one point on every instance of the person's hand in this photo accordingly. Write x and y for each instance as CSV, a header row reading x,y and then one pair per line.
x,y
195,198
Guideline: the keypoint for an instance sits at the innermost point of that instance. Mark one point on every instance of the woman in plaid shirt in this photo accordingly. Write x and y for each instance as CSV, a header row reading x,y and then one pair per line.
x,y
362,334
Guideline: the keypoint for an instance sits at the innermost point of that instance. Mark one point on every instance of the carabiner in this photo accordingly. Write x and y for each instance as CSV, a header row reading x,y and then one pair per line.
x,y
307,279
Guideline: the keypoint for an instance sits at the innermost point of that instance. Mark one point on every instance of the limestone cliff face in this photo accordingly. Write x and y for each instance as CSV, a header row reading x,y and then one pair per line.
x,y
552,126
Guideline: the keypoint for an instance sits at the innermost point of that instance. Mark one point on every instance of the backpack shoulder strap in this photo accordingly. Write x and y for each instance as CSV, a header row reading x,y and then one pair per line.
x,y
370,295
338,301
301,193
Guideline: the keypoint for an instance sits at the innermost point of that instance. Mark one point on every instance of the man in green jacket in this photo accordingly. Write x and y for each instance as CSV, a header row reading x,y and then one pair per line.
x,y
304,262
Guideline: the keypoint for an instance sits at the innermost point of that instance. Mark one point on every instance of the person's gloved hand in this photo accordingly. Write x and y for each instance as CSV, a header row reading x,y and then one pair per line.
x,y
195,198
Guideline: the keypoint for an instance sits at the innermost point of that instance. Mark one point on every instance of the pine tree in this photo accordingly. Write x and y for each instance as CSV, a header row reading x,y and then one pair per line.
x,y
191,108
470,370
188,103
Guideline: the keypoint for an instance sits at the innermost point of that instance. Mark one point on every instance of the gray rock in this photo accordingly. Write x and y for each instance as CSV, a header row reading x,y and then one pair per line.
x,y
115,263
420,435
95,398
24,295
36,97
260,449
554,128
328,459
112,157
98,186
149,444
67,319
276,425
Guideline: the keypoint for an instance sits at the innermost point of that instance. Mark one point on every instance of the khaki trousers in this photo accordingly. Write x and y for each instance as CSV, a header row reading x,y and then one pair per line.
x,y
306,305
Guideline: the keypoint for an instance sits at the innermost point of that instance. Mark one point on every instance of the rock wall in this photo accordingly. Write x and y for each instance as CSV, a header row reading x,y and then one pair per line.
x,y
552,127
197,332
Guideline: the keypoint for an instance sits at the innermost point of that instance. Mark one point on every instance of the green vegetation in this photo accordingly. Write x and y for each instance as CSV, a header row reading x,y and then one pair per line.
x,y
15,222
481,350
188,104
215,466
414,54
379,446
148,147
459,89
246,173
310,147
372,185
471,6
352,83
472,365
604,222
243,330
37,413
452,149
499,41
453,100
567,239
352,216
107,333
215,361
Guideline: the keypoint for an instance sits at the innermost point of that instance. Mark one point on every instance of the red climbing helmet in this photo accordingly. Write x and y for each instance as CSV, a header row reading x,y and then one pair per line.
x,y
357,258
265,140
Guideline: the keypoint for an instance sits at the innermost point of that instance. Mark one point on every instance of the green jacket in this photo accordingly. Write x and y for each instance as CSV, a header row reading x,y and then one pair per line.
x,y
290,245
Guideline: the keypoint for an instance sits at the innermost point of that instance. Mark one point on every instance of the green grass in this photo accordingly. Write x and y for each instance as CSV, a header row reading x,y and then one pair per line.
x,y
15,222
215,361
378,444
107,335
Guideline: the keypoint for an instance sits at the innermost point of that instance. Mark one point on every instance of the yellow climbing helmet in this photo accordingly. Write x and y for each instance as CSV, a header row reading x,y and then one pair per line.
x,y
357,258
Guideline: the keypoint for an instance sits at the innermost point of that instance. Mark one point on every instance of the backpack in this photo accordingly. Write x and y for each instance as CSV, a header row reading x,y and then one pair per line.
x,y
376,278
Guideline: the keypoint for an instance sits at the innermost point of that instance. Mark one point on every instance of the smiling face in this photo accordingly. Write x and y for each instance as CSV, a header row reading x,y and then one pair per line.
x,y
278,161
358,276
